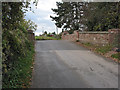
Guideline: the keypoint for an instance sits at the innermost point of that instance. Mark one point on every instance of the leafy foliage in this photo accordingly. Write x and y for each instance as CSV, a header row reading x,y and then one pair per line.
x,y
102,16
20,74
92,16
68,15
15,44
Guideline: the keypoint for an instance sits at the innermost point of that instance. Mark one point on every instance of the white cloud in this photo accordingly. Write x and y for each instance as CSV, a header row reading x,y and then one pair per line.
x,y
47,17
46,5
44,27
42,16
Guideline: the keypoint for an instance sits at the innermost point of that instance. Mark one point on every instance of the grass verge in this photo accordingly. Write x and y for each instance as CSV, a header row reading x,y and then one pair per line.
x,y
21,73
44,38
117,56
88,44
102,50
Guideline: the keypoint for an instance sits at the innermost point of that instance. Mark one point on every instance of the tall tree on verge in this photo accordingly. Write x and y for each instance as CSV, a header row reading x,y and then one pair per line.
x,y
101,16
91,16
68,15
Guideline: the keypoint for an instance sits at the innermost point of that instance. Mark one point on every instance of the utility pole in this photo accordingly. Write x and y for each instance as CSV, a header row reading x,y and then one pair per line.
x,y
43,30
57,32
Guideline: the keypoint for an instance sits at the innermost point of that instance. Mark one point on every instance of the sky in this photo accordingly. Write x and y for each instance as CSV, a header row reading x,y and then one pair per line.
x,y
41,16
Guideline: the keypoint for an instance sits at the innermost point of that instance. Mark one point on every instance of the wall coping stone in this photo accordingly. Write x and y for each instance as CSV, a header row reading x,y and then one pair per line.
x,y
103,32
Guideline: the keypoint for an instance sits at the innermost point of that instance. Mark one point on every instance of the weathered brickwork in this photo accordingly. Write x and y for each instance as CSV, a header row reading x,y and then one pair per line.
x,y
31,36
99,38
94,37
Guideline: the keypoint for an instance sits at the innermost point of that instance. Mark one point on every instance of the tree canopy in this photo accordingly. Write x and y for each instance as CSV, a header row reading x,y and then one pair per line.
x,y
92,16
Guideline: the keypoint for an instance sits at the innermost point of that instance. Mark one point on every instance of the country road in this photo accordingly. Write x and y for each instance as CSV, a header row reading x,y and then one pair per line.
x,y
63,64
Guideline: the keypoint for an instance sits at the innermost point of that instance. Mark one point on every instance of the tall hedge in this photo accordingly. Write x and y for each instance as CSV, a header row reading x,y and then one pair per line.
x,y
15,43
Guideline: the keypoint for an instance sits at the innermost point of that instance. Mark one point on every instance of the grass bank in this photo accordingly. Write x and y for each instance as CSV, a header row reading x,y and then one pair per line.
x,y
106,50
20,75
45,38
117,56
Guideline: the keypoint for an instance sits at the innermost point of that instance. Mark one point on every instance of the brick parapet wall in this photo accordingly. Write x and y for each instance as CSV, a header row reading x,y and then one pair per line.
x,y
31,36
114,35
98,38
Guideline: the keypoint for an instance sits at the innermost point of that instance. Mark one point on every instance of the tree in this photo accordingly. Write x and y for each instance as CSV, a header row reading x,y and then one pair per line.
x,y
31,25
54,33
101,16
92,16
68,15
45,32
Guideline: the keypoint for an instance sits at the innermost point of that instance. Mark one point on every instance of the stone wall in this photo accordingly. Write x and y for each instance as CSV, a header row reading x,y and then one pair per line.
x,y
66,36
98,38
31,36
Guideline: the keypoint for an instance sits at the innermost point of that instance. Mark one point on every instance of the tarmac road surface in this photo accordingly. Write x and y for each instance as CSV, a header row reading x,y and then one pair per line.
x,y
63,64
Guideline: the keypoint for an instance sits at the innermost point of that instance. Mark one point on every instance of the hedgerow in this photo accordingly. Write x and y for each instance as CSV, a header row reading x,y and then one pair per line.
x,y
17,50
